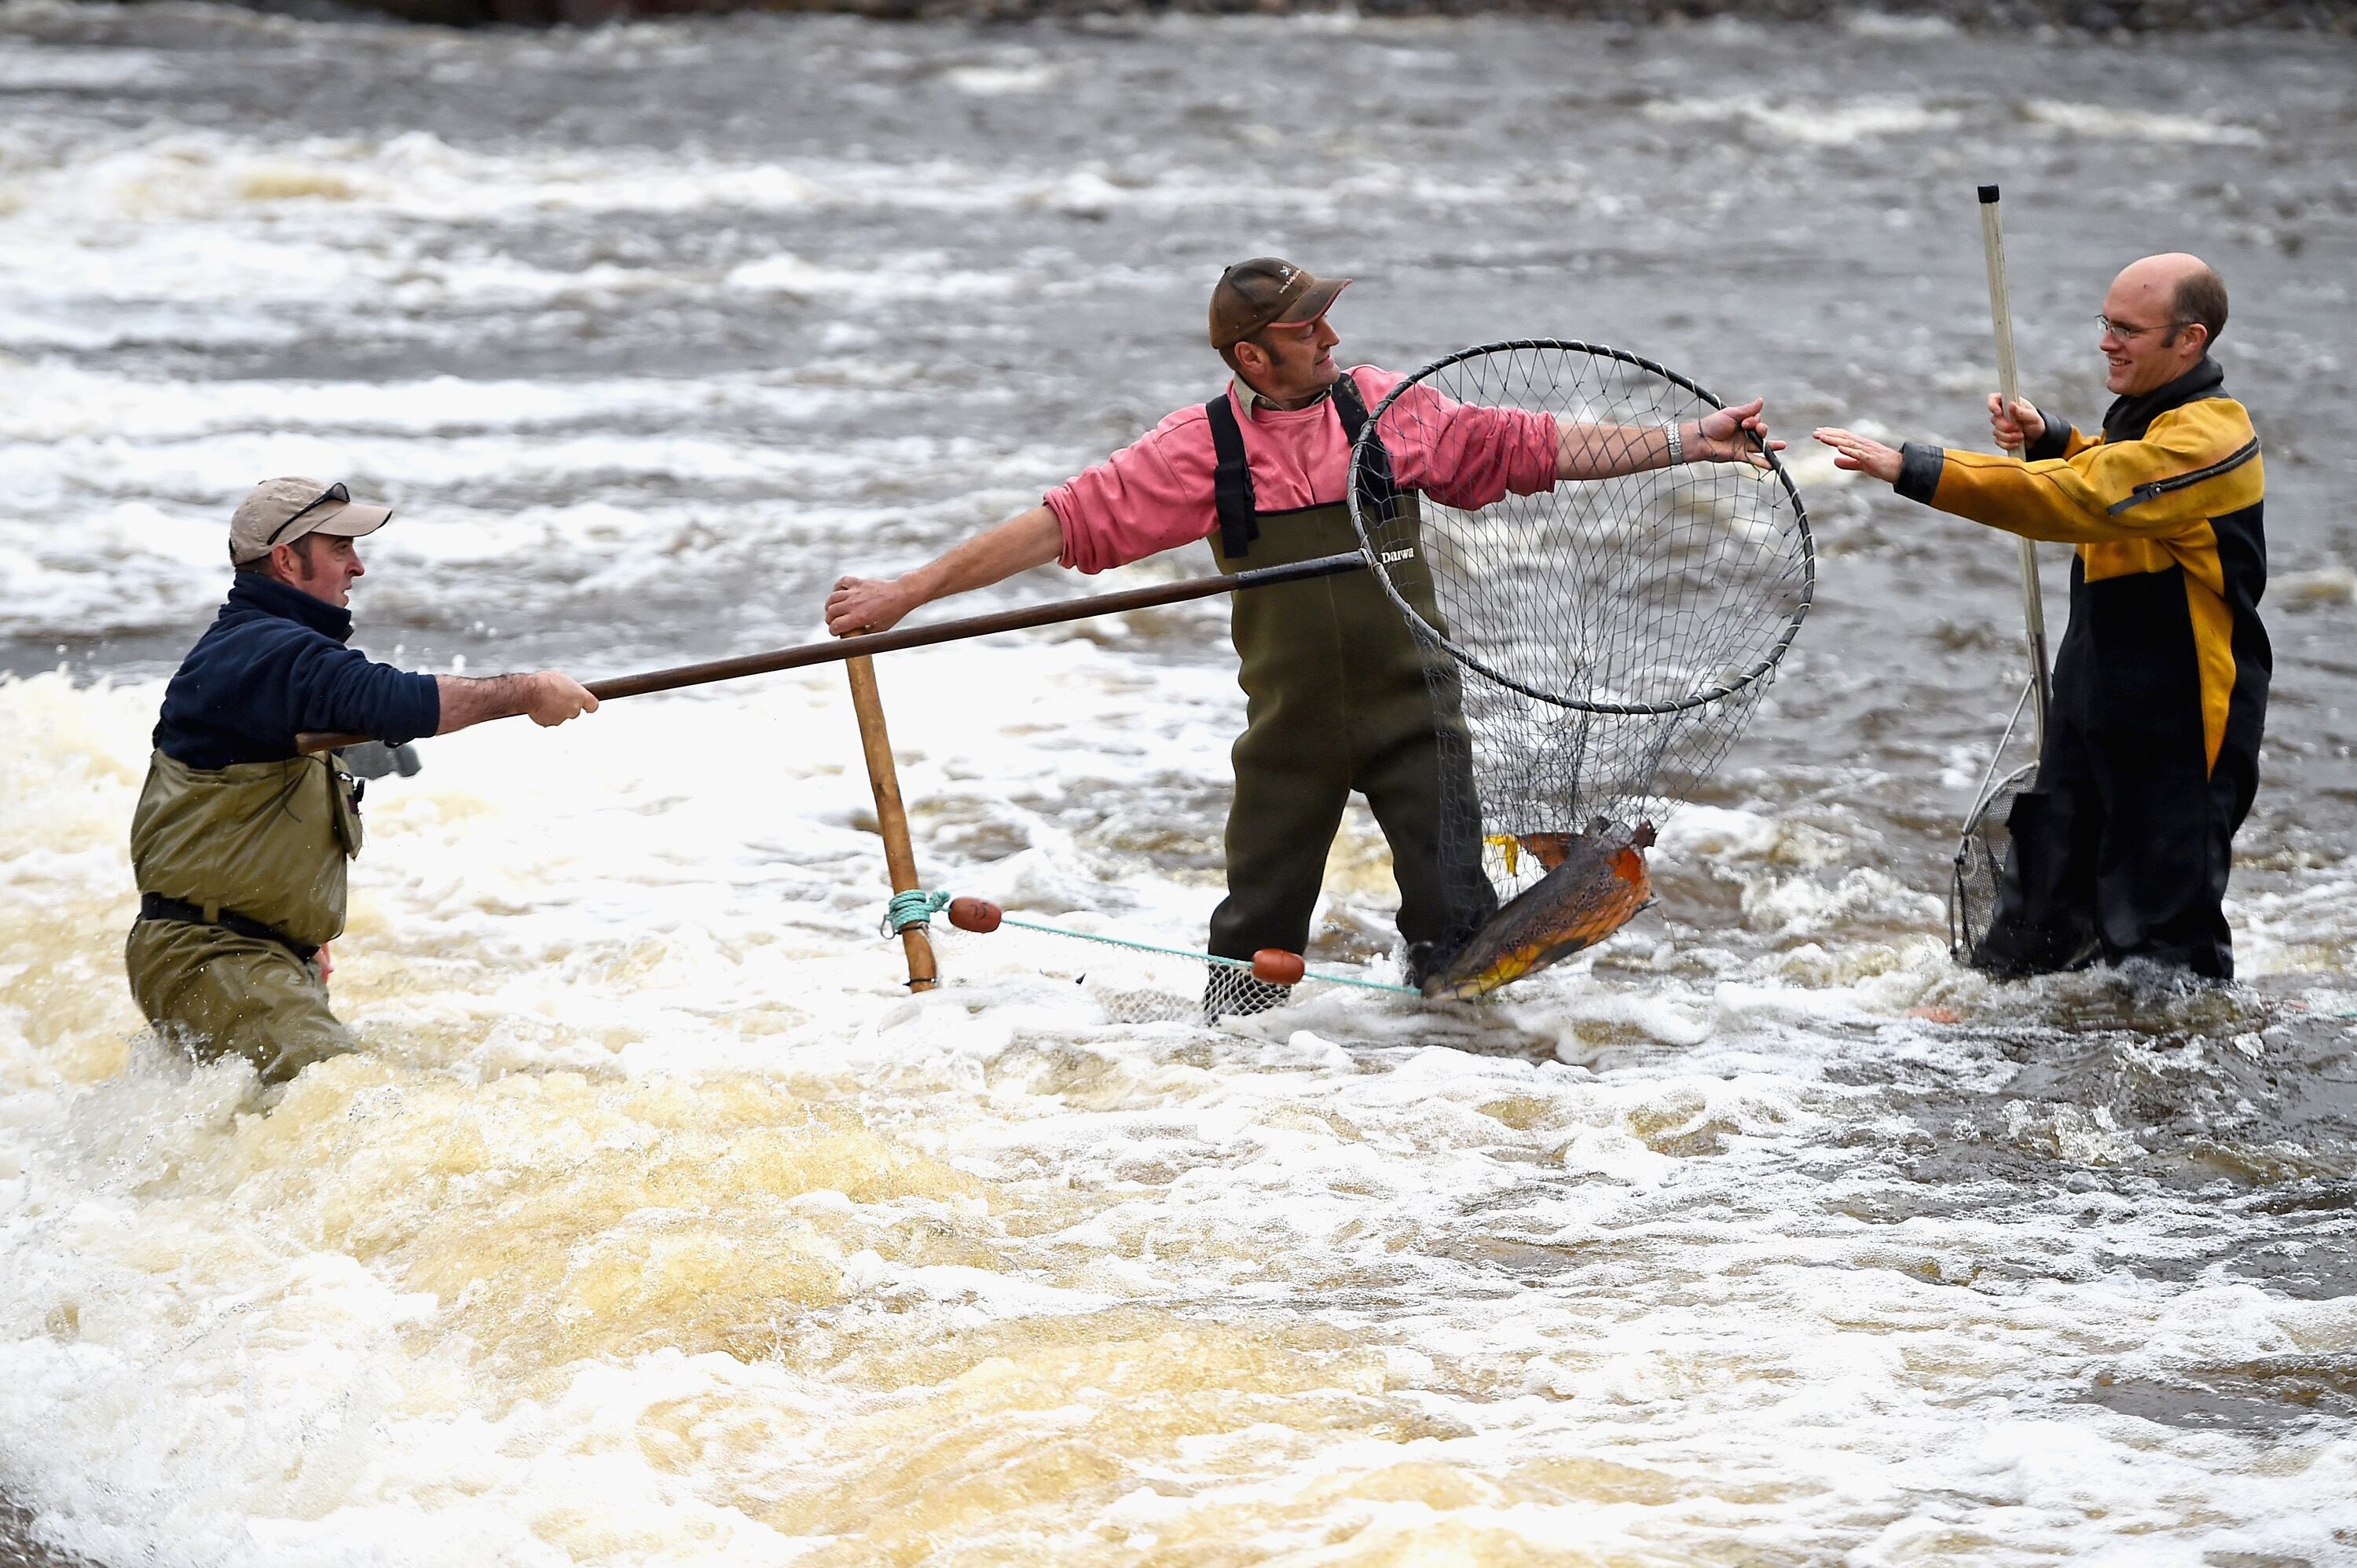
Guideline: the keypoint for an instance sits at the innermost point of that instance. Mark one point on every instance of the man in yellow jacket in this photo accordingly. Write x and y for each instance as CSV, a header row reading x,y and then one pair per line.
x,y
2123,847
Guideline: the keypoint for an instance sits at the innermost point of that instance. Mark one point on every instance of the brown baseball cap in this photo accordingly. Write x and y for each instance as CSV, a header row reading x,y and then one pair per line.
x,y
280,512
1252,295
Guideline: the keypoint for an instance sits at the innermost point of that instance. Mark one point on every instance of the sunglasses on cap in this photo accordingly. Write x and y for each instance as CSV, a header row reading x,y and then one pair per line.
x,y
335,492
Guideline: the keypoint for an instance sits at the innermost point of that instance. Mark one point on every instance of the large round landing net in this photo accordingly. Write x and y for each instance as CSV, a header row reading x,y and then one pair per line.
x,y
1603,641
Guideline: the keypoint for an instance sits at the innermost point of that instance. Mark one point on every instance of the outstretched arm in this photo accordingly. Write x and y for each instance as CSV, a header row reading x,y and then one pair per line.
x,y
876,604
550,697
341,691
1607,451
2193,463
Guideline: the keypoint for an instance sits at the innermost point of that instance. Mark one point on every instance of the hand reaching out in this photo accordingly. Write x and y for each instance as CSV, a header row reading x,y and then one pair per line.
x,y
1861,454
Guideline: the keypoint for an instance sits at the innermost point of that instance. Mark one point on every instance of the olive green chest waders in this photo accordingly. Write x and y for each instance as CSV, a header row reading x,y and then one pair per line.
x,y
241,876
1337,698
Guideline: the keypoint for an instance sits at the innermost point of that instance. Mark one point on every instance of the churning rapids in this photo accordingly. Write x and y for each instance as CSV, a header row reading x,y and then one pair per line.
x,y
658,1224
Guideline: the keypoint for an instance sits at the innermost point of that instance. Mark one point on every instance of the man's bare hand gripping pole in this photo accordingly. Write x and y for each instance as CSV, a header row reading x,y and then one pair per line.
x,y
550,697
876,604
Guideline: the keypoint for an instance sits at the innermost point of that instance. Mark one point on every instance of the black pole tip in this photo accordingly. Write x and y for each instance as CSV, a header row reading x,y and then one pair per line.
x,y
1988,196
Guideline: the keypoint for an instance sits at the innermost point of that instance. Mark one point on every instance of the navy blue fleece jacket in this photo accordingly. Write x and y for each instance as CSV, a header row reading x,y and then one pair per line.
x,y
274,665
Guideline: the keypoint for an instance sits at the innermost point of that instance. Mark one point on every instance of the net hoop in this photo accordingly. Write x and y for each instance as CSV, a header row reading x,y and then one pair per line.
x,y
1359,525
1978,869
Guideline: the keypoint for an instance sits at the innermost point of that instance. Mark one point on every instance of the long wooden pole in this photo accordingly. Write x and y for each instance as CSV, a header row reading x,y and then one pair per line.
x,y
2008,387
891,816
872,643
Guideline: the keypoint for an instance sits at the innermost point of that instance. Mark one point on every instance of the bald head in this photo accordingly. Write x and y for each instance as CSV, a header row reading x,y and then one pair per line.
x,y
2163,313
2179,286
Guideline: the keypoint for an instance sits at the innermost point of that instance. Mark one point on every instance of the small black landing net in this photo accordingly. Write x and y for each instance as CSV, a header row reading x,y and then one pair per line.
x,y
1981,853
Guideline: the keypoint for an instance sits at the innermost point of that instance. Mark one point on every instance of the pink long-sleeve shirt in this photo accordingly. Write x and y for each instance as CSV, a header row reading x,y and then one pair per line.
x,y
1155,493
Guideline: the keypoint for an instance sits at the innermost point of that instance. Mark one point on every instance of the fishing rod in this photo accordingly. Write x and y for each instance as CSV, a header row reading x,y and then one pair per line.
x,y
836,650
2033,598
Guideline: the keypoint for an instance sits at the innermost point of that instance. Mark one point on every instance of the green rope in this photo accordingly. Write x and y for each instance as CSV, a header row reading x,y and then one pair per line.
x,y
933,902
914,907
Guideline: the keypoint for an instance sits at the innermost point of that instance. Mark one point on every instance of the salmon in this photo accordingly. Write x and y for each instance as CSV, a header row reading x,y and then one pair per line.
x,y
1595,881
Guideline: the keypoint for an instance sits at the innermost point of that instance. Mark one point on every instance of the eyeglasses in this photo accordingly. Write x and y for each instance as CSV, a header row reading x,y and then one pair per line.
x,y
2131,334
335,492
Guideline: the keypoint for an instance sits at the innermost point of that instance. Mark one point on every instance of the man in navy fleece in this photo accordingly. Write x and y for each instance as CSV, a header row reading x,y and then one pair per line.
x,y
239,840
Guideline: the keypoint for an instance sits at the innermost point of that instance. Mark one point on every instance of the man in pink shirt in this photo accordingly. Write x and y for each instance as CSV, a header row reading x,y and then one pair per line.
x,y
1339,693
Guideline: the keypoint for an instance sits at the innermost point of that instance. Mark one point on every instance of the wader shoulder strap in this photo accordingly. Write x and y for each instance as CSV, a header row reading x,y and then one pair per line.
x,y
1372,473
1231,486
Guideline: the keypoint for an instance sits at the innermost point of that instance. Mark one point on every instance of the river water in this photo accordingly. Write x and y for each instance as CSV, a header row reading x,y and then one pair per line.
x,y
658,1224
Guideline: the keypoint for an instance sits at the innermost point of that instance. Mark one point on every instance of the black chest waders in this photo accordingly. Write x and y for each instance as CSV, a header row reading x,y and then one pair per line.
x,y
1339,696
2123,846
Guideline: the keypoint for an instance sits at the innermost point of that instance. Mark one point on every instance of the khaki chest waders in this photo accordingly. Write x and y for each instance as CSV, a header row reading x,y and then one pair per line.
x,y
1340,695
241,873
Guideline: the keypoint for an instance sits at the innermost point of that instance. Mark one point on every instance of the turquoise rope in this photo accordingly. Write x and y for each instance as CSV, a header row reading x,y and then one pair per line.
x,y
933,902
914,907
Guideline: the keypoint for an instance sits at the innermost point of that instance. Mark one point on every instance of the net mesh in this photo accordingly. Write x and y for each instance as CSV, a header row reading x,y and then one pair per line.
x,y
1594,648
1980,862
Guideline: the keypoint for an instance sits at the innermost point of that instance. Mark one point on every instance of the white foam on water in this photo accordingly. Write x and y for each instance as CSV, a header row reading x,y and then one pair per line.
x,y
227,465
2306,930
33,69
1011,78
2325,586
116,522
916,276
656,1223
116,519
46,404
1827,125
127,567
2141,125
163,173
116,238
1885,24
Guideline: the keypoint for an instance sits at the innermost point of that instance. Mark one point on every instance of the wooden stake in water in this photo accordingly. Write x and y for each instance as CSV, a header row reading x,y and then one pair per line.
x,y
2008,387
891,817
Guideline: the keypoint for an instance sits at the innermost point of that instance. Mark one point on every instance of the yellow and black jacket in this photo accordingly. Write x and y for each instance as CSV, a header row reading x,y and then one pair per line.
x,y
2165,506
